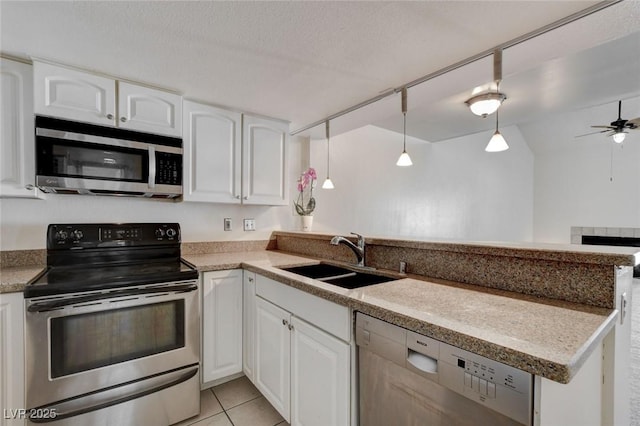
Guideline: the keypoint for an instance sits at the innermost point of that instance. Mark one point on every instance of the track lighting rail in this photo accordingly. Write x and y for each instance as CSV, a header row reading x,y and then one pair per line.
x,y
528,36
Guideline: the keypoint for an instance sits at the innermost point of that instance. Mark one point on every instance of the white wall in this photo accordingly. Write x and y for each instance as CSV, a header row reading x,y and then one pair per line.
x,y
454,190
24,222
572,176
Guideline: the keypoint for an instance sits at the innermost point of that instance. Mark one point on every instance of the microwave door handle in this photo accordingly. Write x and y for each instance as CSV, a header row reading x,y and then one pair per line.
x,y
61,303
152,167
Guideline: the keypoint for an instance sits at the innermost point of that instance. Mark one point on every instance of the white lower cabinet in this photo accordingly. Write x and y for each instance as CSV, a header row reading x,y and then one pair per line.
x,y
249,324
221,325
320,377
273,355
300,368
12,378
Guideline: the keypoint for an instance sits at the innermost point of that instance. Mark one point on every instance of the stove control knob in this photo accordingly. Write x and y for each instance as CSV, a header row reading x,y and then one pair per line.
x,y
171,232
77,235
159,232
62,236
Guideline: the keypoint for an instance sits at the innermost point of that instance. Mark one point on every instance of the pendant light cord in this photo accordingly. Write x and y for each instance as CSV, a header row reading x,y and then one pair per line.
x,y
327,133
404,120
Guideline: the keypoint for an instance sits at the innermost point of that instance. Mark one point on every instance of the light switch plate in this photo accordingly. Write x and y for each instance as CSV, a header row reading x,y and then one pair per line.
x,y
249,224
227,224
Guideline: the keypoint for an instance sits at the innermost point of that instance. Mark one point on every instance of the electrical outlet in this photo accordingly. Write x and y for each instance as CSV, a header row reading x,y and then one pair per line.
x,y
249,224
227,224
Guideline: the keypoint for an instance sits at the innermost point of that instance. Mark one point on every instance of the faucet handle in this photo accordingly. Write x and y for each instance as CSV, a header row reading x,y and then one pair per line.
x,y
360,239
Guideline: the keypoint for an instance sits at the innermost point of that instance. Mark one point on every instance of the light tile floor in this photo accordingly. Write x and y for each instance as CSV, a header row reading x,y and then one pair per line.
x,y
235,403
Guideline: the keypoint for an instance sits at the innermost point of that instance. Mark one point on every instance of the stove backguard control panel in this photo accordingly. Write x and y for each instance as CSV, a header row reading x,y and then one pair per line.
x,y
94,235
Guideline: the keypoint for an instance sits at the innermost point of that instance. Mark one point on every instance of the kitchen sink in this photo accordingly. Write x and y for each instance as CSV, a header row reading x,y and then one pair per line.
x,y
338,276
319,271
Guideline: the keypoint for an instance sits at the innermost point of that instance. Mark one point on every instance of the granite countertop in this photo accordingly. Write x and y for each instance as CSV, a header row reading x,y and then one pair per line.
x,y
548,338
15,279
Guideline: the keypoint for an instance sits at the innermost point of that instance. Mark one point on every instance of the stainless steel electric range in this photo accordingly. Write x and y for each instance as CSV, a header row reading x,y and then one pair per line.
x,y
112,327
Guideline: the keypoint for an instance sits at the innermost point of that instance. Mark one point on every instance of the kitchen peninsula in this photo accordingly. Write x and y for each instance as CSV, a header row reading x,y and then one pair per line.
x,y
544,309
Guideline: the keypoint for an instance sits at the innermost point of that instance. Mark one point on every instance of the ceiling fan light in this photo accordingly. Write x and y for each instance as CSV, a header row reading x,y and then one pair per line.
x,y
328,184
404,160
618,137
497,143
485,104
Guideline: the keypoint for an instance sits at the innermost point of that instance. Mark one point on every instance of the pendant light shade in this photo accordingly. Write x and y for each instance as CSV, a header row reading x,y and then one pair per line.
x,y
497,142
328,184
404,159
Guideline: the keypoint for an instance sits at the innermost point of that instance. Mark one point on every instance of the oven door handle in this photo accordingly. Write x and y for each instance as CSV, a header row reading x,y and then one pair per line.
x,y
50,305
113,396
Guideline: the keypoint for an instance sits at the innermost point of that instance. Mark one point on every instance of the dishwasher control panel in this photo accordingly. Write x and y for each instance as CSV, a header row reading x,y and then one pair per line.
x,y
490,383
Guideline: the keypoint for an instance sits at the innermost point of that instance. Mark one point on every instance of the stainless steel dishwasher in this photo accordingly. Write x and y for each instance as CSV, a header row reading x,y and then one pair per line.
x,y
409,379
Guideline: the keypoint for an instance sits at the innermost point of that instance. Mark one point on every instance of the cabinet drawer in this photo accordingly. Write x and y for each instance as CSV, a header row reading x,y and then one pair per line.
x,y
329,316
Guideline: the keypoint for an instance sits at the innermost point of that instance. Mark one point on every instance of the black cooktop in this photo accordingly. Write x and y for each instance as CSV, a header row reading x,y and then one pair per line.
x,y
87,257
59,280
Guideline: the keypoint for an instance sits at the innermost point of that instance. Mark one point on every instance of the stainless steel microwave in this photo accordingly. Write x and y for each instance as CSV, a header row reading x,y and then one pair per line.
x,y
82,158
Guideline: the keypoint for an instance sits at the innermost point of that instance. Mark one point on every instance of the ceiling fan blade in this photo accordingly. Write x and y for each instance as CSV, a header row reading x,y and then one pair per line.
x,y
592,133
603,127
633,123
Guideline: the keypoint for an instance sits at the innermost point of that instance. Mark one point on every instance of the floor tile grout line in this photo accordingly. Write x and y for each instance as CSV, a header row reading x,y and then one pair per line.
x,y
242,403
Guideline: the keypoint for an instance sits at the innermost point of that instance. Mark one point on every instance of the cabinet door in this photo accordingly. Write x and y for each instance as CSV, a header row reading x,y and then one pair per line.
x,y
149,110
212,154
249,325
264,150
74,95
272,370
320,377
11,358
17,146
221,324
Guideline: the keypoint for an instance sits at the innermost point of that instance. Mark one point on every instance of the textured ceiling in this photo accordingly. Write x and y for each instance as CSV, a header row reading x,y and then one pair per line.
x,y
300,60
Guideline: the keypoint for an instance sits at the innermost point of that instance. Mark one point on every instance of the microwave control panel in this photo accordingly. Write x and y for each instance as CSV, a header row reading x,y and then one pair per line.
x,y
168,168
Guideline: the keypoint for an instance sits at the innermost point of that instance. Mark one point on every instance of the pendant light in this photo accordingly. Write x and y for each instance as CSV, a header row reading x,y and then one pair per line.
x,y
404,159
327,182
487,103
497,142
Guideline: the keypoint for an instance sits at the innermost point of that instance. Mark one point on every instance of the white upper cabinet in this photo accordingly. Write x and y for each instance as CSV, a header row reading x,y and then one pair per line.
x,y
74,95
233,158
149,110
17,145
264,149
212,154
81,96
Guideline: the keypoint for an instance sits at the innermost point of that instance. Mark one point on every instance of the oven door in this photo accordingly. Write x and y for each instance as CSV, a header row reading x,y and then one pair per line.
x,y
87,342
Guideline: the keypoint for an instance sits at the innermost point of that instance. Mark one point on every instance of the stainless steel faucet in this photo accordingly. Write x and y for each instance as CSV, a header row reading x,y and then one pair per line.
x,y
357,249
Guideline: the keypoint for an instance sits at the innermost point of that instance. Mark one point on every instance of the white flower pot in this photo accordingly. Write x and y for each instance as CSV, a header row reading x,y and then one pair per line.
x,y
307,223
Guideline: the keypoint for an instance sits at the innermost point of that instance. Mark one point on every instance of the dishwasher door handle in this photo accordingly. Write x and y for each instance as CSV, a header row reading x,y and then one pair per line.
x,y
422,362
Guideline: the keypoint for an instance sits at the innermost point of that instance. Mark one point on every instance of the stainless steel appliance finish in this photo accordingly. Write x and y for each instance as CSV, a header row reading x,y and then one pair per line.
x,y
409,379
88,159
114,348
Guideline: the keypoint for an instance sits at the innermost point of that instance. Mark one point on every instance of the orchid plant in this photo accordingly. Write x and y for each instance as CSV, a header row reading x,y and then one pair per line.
x,y
306,183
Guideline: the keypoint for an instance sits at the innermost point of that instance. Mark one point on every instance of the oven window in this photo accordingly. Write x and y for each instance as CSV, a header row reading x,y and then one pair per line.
x,y
93,340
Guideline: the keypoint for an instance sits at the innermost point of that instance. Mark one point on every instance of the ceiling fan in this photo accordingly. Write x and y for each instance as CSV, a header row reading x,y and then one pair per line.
x,y
618,128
